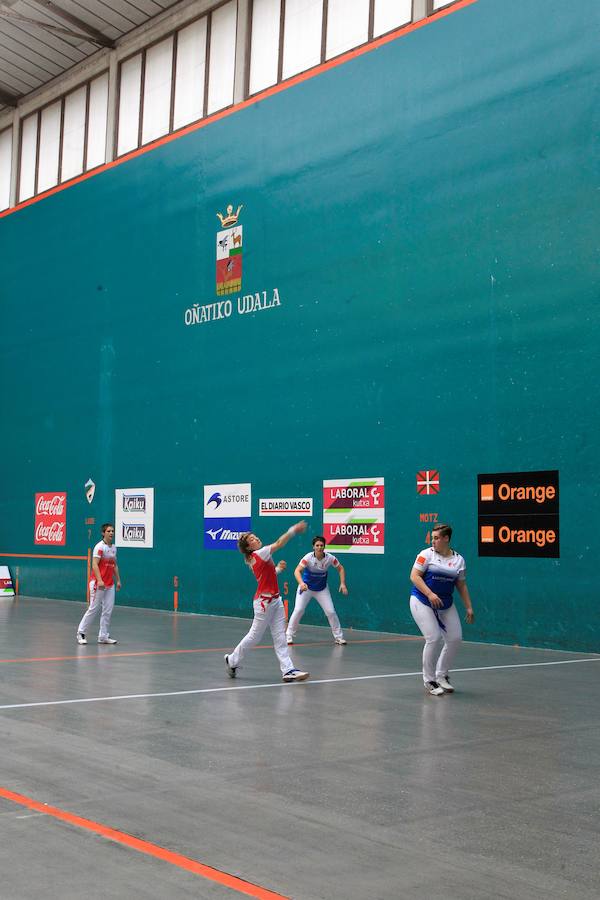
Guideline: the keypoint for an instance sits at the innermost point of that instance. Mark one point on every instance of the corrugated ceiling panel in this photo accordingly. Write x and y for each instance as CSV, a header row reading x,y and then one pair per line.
x,y
31,56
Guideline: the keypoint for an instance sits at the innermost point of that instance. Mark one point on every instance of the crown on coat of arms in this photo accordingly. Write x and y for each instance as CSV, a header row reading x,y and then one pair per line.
x,y
231,217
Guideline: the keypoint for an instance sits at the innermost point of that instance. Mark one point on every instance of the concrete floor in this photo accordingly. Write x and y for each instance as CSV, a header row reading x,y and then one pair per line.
x,y
354,785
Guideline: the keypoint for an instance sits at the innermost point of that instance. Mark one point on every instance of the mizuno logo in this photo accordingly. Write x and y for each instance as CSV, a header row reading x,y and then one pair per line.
x,y
214,534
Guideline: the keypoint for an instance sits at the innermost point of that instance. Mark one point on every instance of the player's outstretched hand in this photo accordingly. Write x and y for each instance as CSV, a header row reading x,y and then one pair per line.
x,y
470,617
343,590
300,527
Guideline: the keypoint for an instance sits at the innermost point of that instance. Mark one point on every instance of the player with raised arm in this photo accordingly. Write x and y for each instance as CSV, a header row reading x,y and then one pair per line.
x,y
311,575
268,605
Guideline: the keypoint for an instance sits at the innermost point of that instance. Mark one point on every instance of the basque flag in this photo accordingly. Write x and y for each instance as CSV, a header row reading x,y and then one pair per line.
x,y
428,482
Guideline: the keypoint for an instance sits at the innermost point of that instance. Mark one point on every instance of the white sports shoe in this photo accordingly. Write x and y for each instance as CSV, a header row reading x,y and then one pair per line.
x,y
81,638
444,682
295,675
342,641
289,639
107,640
432,687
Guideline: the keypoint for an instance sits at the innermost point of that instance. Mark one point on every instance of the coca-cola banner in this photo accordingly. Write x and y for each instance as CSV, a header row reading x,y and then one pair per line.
x,y
134,517
354,515
51,518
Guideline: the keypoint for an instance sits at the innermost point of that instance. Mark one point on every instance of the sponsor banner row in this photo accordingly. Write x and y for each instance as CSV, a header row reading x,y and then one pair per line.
x,y
518,514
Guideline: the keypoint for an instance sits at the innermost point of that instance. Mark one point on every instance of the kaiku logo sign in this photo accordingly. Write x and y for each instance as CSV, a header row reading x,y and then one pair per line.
x,y
134,533
134,517
50,519
134,502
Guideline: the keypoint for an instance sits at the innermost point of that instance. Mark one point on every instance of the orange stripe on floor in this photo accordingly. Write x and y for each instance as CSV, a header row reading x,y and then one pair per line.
x,y
109,654
121,837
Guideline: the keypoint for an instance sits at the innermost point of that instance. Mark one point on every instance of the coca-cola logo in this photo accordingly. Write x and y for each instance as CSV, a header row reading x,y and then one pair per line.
x,y
50,506
53,533
51,518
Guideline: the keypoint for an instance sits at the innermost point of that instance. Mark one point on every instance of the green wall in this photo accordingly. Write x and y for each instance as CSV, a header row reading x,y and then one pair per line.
x,y
426,211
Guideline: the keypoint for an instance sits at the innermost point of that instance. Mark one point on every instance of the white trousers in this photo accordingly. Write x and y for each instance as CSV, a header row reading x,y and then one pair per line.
x,y
270,615
434,662
99,599
324,600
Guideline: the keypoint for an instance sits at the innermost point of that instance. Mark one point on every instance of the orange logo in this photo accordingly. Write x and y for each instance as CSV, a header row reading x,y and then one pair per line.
x,y
487,492
487,534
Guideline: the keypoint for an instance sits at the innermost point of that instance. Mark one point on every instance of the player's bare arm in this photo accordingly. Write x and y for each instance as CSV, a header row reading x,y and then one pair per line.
x,y
342,574
298,575
292,531
463,590
417,580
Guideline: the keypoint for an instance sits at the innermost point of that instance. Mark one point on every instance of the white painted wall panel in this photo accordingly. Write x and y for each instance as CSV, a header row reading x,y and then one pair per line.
x,y
222,56
390,14
347,25
5,167
157,90
73,134
129,104
96,140
302,35
264,45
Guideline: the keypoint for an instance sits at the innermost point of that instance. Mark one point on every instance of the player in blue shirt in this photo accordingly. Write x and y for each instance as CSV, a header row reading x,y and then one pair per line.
x,y
436,572
311,575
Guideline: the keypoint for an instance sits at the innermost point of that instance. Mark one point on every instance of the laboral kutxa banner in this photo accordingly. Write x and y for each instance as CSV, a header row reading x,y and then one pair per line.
x,y
354,515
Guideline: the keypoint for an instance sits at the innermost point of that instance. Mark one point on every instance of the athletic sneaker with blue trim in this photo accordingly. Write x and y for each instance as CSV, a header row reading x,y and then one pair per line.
x,y
295,675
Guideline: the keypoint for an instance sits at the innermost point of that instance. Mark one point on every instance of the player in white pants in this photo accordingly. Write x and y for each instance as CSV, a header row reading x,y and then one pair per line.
x,y
102,587
436,572
311,575
268,606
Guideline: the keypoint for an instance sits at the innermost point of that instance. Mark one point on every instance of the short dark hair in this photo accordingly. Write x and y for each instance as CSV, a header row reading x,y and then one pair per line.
x,y
105,526
446,530
318,537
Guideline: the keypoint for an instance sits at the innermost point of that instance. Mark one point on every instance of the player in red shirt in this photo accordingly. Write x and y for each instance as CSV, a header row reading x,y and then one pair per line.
x,y
268,605
102,587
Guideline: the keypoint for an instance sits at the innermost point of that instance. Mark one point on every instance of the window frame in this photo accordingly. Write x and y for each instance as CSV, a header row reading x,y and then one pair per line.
x,y
174,34
85,83
323,57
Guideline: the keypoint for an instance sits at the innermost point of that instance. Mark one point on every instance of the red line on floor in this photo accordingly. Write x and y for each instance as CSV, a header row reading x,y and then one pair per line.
x,y
121,837
109,654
